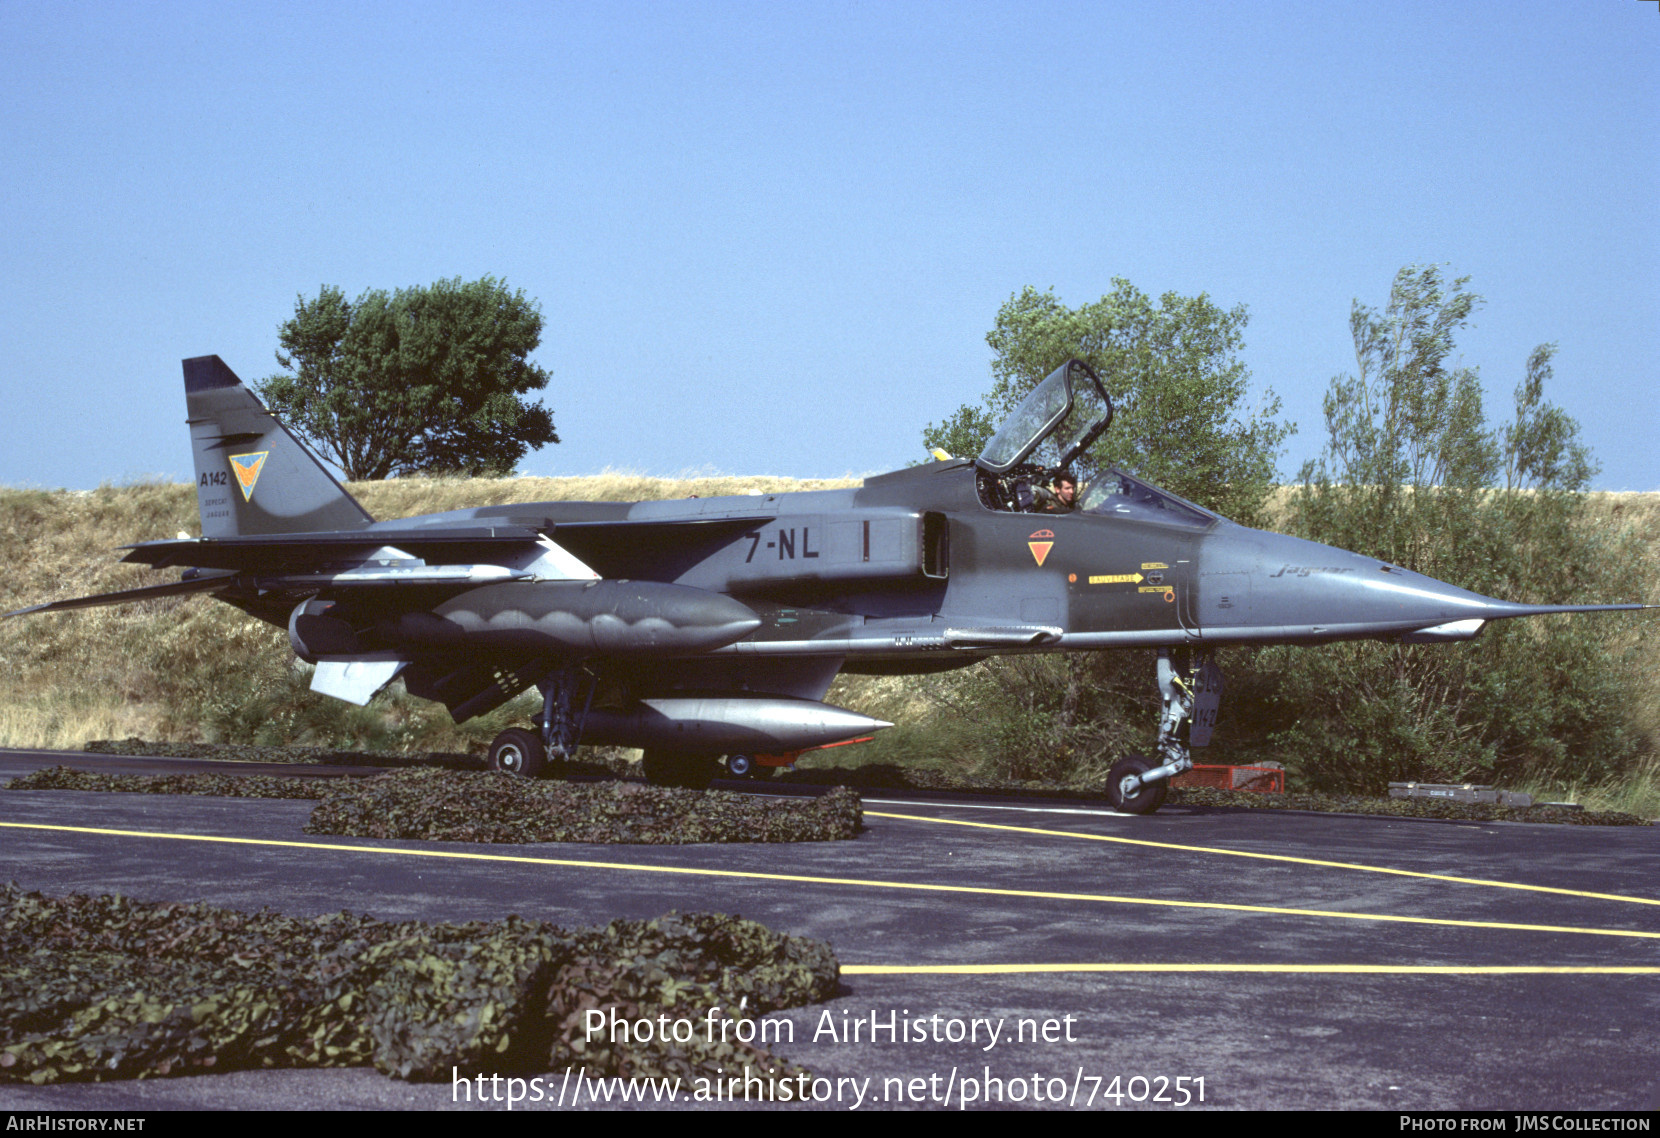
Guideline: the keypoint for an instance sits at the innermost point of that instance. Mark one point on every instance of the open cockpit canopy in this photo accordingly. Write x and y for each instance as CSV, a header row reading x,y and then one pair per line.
x,y
1116,494
1049,433
1058,421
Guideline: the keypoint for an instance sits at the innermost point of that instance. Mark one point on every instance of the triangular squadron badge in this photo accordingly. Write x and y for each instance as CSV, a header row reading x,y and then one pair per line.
x,y
246,467
1040,548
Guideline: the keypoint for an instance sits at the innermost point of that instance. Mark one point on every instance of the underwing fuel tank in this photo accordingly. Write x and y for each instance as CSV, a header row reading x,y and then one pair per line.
x,y
612,618
727,724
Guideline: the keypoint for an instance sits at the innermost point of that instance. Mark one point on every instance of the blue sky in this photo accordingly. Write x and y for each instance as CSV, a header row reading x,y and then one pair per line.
x,y
771,238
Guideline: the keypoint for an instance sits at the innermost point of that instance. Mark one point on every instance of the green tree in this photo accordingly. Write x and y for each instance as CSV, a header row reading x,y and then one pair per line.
x,y
424,379
1412,474
1182,419
1179,390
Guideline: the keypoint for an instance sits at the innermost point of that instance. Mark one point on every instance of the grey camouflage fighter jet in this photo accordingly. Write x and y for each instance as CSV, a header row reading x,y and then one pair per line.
x,y
709,630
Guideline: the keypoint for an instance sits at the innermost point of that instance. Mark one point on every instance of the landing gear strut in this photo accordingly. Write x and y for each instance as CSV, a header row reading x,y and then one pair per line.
x,y
558,728
1135,784
561,726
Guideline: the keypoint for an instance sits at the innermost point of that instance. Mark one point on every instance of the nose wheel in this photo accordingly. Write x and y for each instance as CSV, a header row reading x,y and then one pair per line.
x,y
1138,785
1129,793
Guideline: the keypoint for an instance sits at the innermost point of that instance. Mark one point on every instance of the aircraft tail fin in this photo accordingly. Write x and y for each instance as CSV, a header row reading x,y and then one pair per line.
x,y
252,476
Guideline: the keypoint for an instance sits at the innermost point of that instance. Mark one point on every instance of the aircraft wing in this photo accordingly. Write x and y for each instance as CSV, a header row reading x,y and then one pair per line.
x,y
127,596
277,553
614,548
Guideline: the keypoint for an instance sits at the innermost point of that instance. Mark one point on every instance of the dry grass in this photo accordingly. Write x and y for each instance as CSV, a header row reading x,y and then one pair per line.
x,y
61,725
405,497
1638,793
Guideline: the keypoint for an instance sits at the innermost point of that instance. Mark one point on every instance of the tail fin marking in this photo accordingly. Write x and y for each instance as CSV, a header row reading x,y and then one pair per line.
x,y
279,486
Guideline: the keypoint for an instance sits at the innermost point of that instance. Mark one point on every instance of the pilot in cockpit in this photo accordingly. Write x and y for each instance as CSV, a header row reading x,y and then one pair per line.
x,y
1059,497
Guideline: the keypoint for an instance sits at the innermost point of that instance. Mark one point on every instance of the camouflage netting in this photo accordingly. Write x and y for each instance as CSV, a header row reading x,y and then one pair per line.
x,y
472,806
98,988
248,753
461,806
222,785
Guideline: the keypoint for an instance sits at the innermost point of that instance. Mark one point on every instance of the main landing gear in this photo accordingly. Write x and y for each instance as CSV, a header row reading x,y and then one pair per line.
x,y
526,753
1138,785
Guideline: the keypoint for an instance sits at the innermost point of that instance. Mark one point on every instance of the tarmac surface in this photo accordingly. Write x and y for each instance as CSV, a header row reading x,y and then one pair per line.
x,y
1233,959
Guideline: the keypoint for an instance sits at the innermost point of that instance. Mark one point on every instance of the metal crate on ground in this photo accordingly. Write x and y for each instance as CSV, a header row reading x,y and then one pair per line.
x,y
1260,780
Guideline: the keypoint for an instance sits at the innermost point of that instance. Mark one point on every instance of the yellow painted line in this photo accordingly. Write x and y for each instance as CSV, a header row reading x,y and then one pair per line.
x,y
1287,969
1270,857
862,883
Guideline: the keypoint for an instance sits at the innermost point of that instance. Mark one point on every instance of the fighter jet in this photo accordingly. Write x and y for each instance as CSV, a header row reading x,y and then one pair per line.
x,y
707,631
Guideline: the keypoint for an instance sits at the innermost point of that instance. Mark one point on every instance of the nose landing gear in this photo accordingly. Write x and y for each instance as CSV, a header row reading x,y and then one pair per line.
x,y
1135,785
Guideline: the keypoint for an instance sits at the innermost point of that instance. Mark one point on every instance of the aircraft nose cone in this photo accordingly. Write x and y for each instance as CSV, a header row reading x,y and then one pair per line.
x,y
1271,586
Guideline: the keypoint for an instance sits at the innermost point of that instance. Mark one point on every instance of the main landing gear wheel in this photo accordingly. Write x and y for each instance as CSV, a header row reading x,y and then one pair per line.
x,y
1144,798
518,752
669,768
745,766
